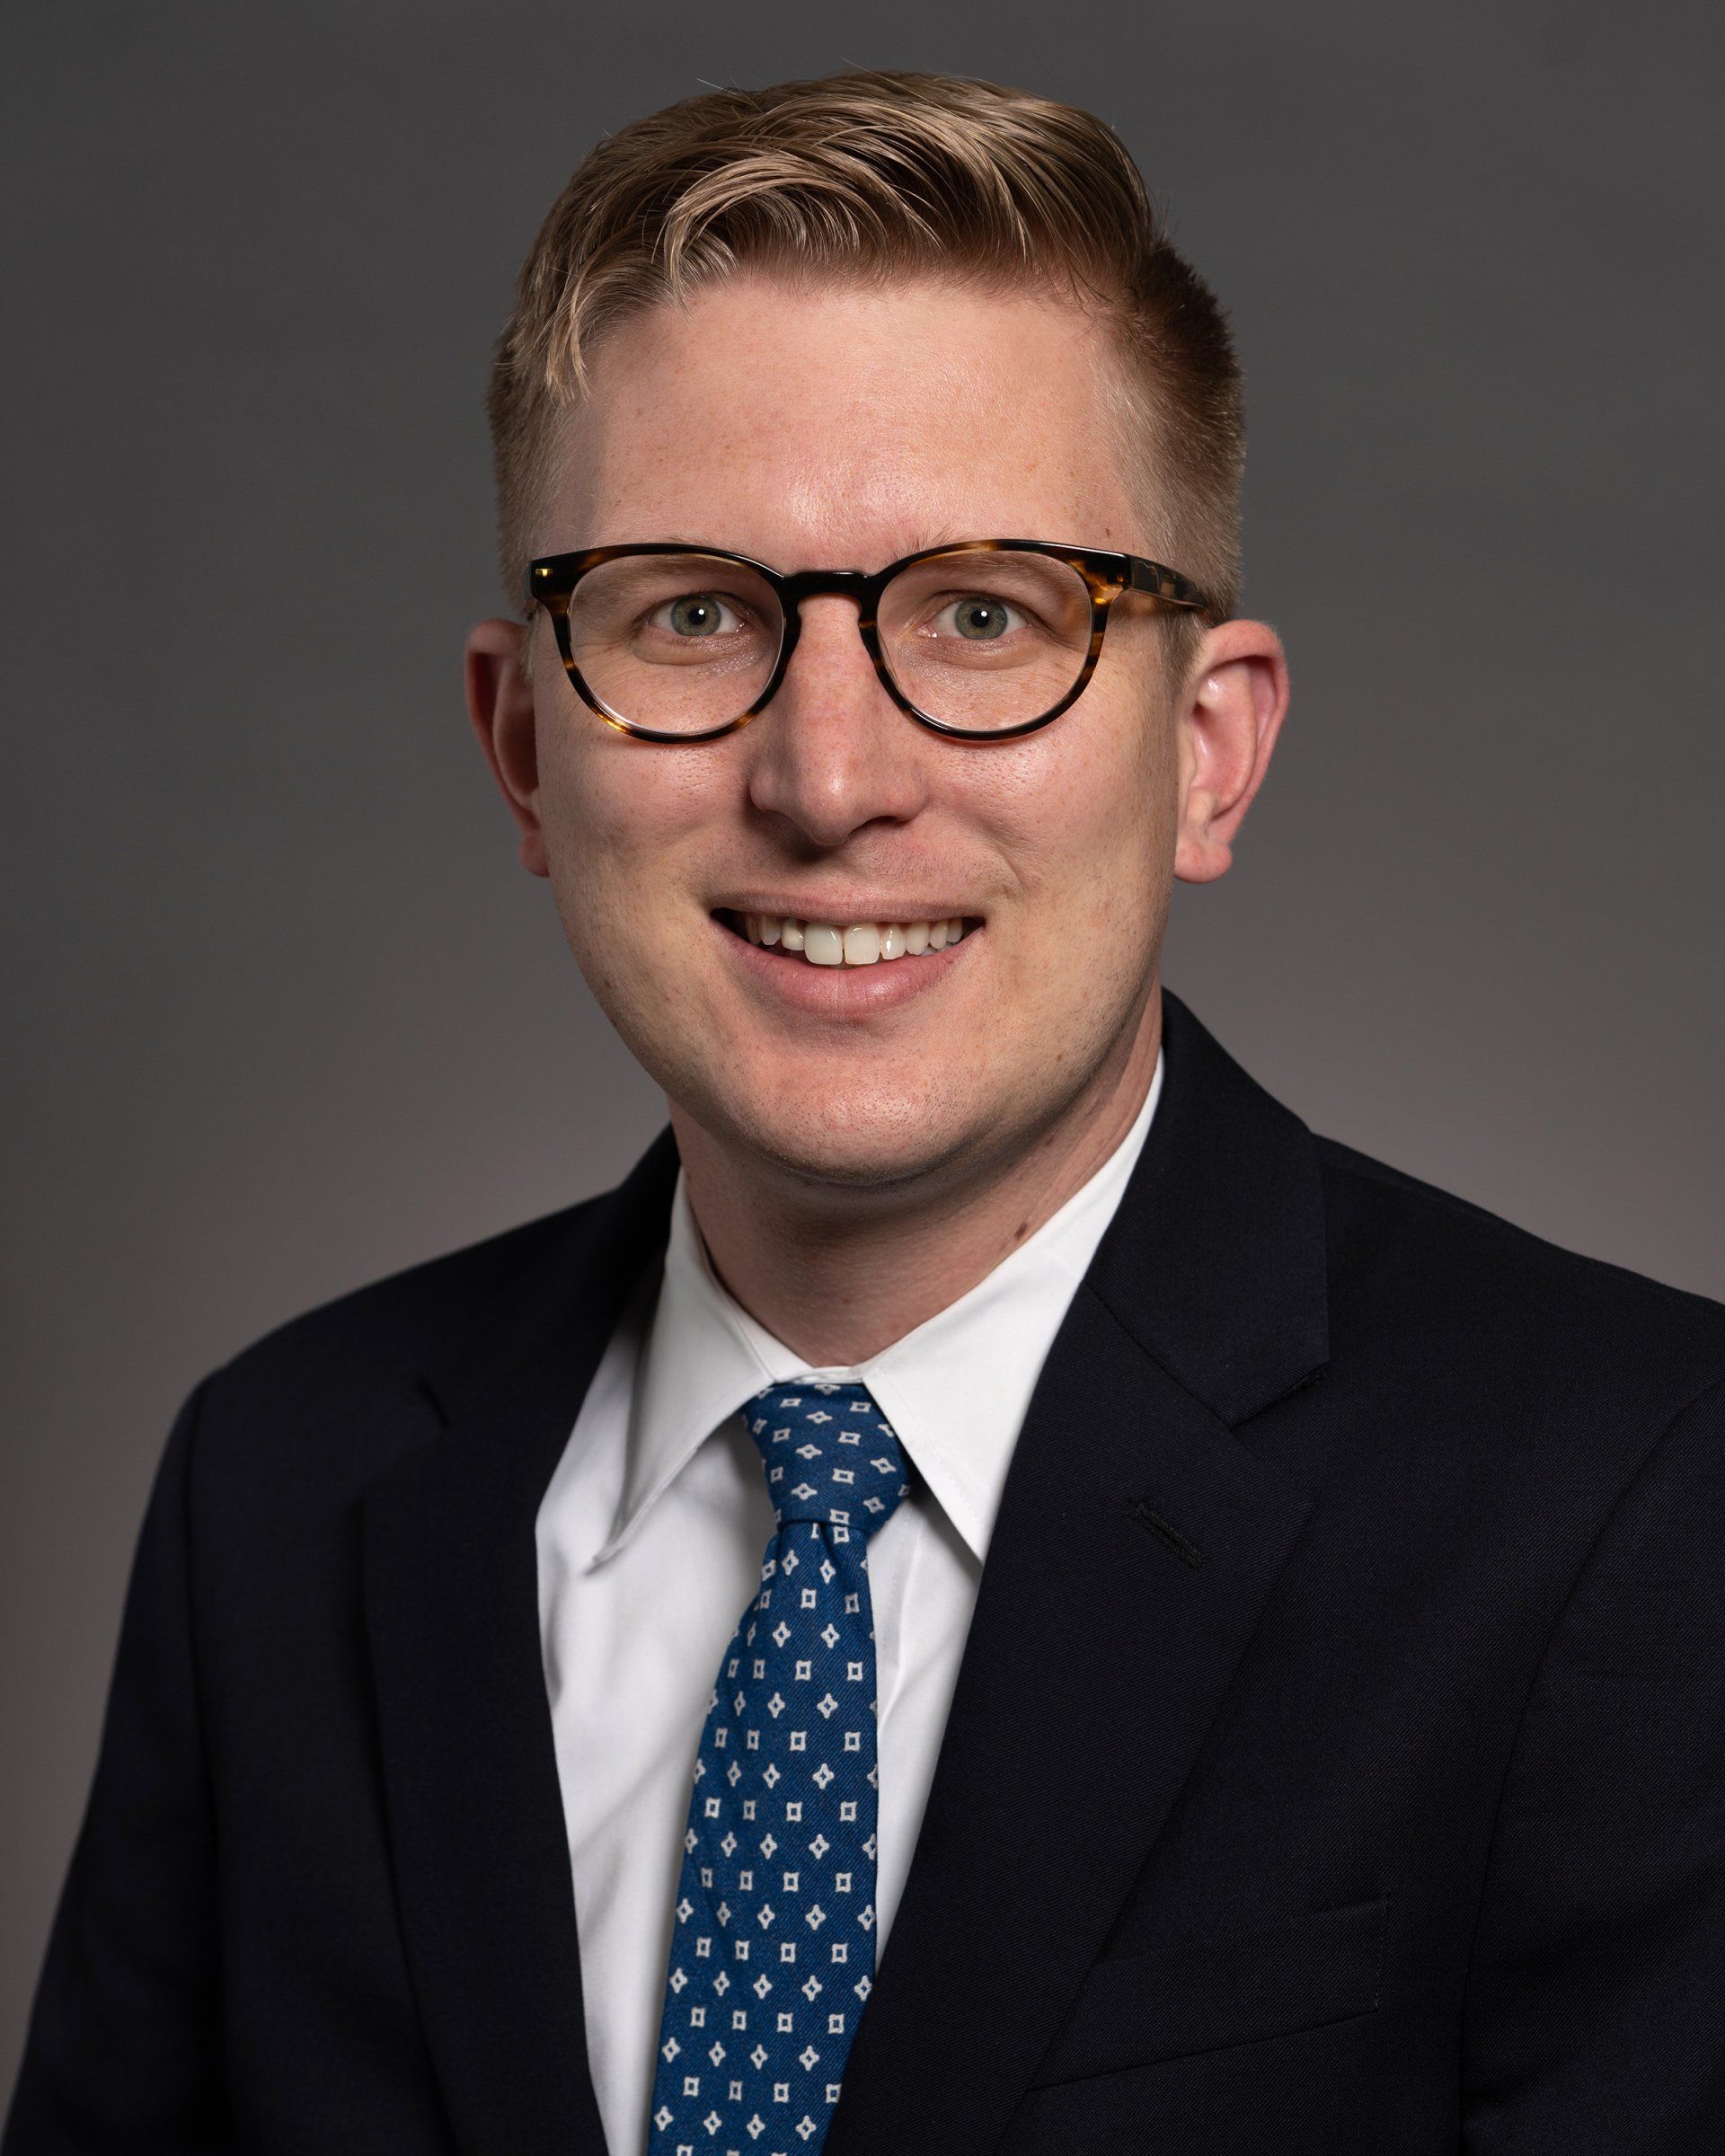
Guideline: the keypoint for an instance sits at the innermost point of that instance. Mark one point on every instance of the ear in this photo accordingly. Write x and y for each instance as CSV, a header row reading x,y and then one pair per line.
x,y
1230,708
500,703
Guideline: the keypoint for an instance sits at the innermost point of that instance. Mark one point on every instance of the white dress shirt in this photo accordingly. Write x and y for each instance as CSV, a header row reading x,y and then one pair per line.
x,y
651,1538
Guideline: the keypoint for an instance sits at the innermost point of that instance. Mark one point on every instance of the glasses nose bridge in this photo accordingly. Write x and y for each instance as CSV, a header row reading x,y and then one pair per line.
x,y
855,584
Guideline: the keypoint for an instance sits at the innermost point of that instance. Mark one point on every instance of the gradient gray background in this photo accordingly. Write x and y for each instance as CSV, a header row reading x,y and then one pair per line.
x,y
291,1015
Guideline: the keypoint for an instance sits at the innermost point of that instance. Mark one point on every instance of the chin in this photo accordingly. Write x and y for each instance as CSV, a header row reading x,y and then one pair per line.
x,y
872,1140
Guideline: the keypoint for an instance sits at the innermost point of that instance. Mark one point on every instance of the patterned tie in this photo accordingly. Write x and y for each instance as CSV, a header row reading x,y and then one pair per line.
x,y
773,1956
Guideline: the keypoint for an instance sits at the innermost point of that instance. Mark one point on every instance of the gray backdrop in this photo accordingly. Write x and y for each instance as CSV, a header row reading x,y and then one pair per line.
x,y
291,1016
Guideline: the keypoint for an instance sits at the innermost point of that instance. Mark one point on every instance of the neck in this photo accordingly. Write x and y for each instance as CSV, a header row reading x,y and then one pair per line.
x,y
838,1277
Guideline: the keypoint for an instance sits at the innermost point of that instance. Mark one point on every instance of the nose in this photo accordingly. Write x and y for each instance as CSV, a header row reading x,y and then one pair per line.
x,y
832,753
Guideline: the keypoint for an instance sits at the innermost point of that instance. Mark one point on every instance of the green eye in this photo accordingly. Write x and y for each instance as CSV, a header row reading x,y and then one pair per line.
x,y
697,614
980,620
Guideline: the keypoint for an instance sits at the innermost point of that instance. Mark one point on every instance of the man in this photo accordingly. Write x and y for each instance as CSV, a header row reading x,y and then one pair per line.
x,y
998,1595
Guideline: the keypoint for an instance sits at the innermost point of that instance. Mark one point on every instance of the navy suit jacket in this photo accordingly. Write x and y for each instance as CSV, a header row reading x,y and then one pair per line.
x,y
1337,1762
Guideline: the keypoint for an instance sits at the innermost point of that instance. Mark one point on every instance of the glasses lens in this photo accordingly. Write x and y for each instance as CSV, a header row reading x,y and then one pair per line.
x,y
986,641
677,643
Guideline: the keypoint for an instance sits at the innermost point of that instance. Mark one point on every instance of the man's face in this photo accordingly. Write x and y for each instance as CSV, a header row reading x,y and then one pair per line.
x,y
839,428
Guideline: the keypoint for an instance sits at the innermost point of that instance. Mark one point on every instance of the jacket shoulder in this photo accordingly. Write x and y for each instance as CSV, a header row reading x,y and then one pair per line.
x,y
386,1332
1499,1293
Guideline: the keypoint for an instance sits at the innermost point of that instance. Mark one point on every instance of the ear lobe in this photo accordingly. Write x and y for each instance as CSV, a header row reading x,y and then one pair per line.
x,y
499,703
1234,712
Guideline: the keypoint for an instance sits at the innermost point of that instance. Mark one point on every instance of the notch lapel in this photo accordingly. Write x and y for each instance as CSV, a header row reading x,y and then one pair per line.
x,y
1138,1542
469,1768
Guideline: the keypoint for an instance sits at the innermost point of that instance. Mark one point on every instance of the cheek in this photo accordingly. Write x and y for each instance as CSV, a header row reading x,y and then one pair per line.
x,y
1134,803
1089,822
614,811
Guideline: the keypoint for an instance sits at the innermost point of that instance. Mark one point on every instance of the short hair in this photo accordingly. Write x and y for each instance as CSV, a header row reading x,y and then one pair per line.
x,y
882,176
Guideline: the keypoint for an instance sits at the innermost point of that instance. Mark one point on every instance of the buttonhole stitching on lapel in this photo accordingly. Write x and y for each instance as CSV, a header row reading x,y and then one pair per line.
x,y
1186,1551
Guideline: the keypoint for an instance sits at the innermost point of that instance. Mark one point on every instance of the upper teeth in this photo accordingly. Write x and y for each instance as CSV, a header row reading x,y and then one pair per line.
x,y
825,943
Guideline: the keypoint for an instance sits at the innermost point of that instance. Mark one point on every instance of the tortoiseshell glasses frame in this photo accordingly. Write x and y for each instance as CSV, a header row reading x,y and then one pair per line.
x,y
552,581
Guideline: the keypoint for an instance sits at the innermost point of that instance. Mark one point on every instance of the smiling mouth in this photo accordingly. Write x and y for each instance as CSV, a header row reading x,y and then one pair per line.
x,y
853,943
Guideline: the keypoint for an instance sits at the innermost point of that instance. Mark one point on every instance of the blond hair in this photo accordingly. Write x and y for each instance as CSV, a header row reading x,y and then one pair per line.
x,y
879,175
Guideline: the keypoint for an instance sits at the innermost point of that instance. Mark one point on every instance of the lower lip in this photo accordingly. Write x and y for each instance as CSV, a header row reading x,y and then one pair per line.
x,y
844,992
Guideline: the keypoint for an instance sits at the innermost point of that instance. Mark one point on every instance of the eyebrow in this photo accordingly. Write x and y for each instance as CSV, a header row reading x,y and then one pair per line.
x,y
929,536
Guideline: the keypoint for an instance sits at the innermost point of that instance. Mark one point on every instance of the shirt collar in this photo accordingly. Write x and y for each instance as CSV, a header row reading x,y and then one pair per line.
x,y
955,1389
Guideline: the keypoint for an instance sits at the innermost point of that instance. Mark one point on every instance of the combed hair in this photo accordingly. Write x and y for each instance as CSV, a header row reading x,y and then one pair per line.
x,y
880,176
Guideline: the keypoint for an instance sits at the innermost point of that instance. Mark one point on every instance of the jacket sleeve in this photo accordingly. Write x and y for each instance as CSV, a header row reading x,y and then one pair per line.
x,y
1594,2017
124,2053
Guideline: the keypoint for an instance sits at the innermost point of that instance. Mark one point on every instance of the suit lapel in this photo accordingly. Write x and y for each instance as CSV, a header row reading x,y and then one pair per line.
x,y
469,1768
1138,1542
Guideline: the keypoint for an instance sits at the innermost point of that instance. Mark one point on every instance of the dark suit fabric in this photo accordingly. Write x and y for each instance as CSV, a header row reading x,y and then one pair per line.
x,y
1337,1762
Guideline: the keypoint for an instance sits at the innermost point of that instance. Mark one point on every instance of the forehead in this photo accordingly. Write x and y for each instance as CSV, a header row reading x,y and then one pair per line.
x,y
839,426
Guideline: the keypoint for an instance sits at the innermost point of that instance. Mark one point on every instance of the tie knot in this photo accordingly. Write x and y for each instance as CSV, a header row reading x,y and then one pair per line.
x,y
830,1454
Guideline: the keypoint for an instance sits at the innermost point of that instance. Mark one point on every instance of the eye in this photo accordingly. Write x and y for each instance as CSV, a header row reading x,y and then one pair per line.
x,y
694,614
978,617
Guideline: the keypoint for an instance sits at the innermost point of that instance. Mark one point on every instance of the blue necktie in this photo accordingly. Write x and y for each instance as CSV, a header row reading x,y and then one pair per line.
x,y
773,1953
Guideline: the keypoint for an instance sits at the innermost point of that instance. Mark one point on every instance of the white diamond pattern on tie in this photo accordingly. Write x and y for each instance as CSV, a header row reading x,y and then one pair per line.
x,y
773,1952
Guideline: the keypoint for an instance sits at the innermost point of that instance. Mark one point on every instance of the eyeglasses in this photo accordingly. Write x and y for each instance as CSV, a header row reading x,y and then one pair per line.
x,y
981,640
